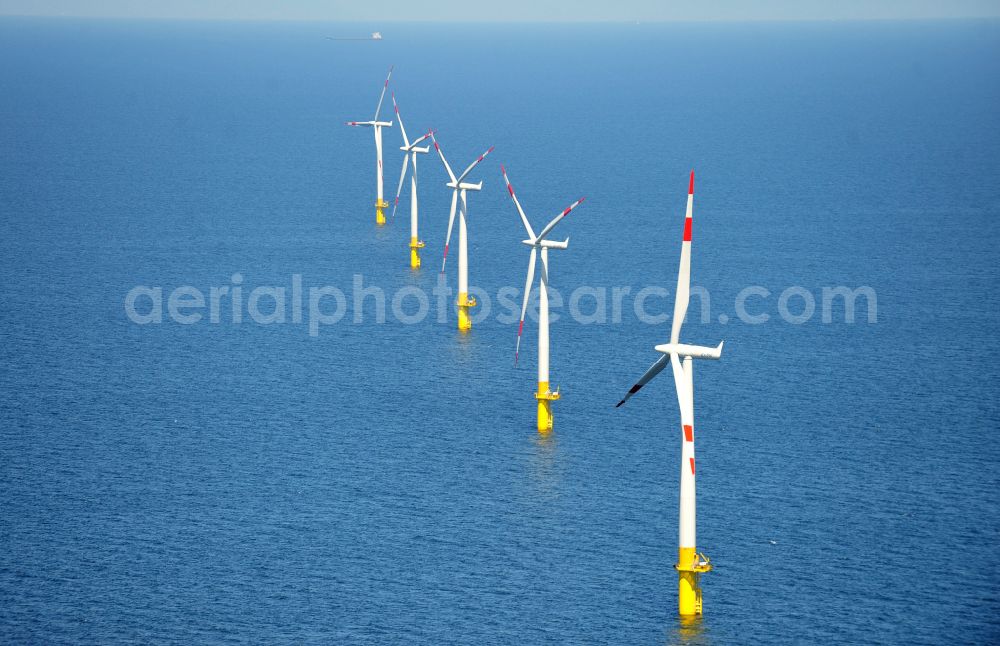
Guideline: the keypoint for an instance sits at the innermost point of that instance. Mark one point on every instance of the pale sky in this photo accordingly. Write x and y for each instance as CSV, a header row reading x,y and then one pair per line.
x,y
507,10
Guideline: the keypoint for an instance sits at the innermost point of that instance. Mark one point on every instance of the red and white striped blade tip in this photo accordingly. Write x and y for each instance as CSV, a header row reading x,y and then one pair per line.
x,y
691,184
517,350
573,206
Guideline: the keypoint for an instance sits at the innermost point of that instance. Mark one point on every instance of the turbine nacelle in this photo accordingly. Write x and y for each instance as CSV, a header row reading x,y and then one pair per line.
x,y
414,149
547,244
693,351
465,186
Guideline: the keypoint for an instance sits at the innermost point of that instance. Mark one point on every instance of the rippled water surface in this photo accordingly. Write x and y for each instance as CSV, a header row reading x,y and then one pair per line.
x,y
384,483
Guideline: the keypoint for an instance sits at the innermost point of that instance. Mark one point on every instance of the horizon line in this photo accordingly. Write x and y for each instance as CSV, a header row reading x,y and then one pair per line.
x,y
658,21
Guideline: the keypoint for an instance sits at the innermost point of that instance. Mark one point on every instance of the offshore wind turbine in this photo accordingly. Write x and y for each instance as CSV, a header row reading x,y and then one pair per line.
x,y
544,395
380,203
459,187
690,564
410,150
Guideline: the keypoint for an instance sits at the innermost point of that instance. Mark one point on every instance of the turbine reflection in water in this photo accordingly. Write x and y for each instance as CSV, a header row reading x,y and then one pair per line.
x,y
689,630
545,466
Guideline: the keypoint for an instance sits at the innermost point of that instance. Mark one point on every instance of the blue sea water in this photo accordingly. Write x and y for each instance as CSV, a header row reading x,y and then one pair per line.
x,y
384,482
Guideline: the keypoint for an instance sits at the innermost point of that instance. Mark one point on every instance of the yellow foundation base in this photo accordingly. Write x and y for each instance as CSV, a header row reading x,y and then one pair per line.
x,y
545,398
415,247
690,566
380,207
464,303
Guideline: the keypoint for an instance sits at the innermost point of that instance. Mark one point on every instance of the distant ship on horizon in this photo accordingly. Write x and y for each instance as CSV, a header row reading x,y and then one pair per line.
x,y
376,35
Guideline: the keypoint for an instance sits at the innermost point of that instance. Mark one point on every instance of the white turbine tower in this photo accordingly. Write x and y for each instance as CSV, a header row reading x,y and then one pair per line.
x,y
544,395
380,203
459,188
690,564
410,150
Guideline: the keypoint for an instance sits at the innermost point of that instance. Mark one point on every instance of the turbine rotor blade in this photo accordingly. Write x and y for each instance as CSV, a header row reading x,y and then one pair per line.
x,y
399,189
524,303
445,162
647,376
684,271
382,96
429,133
406,142
473,165
520,211
451,222
684,400
556,220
